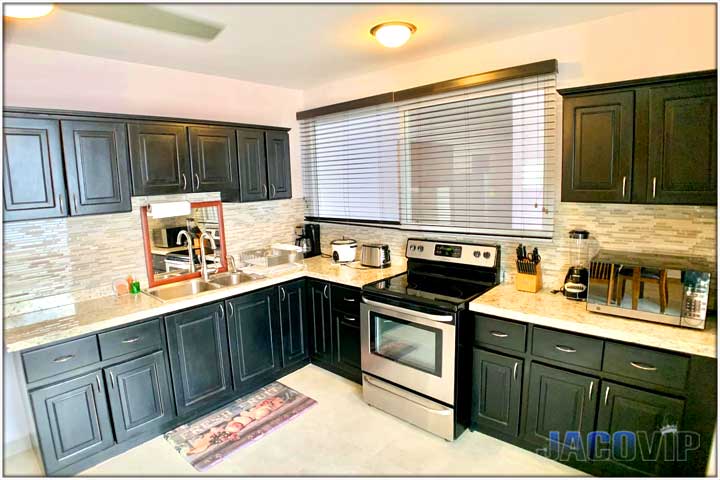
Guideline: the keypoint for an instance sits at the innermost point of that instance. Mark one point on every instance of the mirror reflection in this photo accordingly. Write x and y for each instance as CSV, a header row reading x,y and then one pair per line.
x,y
179,244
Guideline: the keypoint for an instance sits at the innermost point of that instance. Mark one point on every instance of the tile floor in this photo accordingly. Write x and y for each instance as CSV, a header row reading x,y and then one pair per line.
x,y
341,435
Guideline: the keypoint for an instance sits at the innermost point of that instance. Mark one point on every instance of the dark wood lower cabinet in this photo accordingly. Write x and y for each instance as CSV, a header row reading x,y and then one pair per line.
x,y
321,319
199,357
651,421
348,343
253,327
72,420
293,323
559,402
139,392
496,391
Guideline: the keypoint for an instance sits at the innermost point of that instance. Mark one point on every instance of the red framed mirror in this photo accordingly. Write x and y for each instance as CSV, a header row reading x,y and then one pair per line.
x,y
172,244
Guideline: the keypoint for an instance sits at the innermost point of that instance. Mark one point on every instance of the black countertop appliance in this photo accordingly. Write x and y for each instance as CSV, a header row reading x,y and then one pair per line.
x,y
577,278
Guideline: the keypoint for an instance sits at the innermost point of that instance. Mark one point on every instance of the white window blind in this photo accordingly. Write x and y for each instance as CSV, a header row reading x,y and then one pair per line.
x,y
476,160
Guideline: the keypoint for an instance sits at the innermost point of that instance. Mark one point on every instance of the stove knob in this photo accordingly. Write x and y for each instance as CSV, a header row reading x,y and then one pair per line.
x,y
486,255
412,248
476,253
420,248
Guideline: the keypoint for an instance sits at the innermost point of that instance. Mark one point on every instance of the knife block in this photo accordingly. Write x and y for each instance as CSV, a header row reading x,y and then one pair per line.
x,y
526,282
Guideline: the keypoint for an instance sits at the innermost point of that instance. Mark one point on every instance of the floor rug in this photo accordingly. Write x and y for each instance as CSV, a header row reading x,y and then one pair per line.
x,y
209,439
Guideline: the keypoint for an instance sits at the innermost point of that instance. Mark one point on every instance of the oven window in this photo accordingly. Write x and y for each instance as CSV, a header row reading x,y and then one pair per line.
x,y
408,343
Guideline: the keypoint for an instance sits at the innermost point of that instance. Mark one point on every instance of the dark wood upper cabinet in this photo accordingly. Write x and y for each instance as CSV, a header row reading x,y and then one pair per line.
x,y
213,151
253,165
598,147
97,166
159,159
278,164
642,141
33,177
682,163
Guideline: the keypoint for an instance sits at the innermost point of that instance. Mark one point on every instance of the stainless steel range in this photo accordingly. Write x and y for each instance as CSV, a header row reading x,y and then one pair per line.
x,y
411,330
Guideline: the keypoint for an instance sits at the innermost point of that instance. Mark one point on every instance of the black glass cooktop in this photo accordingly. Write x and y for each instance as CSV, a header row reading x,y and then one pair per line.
x,y
434,290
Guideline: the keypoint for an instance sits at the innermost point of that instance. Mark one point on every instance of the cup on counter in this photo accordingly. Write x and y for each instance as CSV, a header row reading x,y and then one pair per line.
x,y
120,286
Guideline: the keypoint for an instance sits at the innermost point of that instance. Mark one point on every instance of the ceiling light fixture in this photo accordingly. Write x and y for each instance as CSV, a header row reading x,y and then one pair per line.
x,y
27,10
393,34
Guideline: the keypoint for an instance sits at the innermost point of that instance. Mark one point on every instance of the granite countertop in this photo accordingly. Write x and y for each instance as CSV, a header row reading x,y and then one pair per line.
x,y
67,321
555,311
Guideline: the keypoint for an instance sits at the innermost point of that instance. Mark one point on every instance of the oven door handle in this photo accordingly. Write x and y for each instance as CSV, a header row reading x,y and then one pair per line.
x,y
407,311
443,412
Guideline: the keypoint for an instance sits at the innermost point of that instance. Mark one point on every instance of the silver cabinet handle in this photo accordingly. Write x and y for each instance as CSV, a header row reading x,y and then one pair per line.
x,y
62,204
75,202
222,311
624,184
282,290
350,300
515,371
349,319
643,366
565,349
97,379
112,380
325,291
63,359
265,190
197,181
131,340
607,392
273,191
497,334
592,384
184,181
654,185
231,310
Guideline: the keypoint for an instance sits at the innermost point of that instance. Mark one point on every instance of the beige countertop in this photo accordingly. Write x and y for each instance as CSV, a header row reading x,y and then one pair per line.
x,y
63,322
555,311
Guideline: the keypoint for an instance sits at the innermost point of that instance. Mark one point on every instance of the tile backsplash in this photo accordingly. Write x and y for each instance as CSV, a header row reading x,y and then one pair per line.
x,y
71,259
679,230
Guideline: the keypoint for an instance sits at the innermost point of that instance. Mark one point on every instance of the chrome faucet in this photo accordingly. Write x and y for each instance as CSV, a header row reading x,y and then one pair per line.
x,y
231,264
185,233
203,258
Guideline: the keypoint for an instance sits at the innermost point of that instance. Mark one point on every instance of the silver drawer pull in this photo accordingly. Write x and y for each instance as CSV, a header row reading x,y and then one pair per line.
x,y
131,340
348,299
498,334
349,319
563,348
643,366
63,359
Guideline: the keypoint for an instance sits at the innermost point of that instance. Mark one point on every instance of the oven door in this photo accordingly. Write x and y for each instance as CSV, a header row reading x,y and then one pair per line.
x,y
412,349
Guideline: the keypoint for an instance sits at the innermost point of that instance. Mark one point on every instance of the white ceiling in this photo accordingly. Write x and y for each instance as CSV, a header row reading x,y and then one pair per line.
x,y
294,45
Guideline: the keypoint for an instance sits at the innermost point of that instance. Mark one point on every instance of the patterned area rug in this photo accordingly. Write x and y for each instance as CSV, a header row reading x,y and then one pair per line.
x,y
209,439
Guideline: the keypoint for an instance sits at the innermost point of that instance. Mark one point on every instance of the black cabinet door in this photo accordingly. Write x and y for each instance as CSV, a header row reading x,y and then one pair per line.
x,y
72,420
33,177
97,166
199,357
682,148
213,151
253,165
347,341
254,337
598,147
497,385
139,392
278,164
624,409
321,319
293,326
559,401
159,159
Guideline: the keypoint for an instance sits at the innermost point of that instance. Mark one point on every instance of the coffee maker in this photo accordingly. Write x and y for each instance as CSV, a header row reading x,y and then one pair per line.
x,y
307,237
577,278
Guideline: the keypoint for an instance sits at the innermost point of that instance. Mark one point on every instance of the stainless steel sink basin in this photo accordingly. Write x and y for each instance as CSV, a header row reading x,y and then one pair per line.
x,y
184,289
231,279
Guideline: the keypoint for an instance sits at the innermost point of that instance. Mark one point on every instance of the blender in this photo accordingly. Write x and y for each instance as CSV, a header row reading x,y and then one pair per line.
x,y
578,275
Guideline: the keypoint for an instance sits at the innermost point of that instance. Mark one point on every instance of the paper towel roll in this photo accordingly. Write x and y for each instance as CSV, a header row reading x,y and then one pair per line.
x,y
169,209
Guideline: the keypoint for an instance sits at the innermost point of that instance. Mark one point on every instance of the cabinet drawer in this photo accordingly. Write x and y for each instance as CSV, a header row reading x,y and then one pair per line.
x,y
567,348
49,361
346,299
651,366
130,339
501,333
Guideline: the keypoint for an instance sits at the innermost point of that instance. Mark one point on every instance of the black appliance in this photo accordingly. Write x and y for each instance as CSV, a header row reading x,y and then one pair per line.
x,y
416,333
312,233
577,278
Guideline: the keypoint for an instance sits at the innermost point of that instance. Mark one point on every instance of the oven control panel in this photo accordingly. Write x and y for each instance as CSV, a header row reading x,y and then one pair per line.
x,y
462,253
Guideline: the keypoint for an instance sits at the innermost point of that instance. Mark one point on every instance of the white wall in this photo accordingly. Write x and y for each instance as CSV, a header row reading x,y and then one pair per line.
x,y
651,41
37,77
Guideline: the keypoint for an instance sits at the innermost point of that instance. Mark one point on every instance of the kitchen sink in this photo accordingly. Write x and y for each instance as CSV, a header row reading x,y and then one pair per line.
x,y
184,289
231,279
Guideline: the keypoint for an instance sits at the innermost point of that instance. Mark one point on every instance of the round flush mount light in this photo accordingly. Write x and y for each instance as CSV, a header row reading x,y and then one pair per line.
x,y
27,10
393,34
